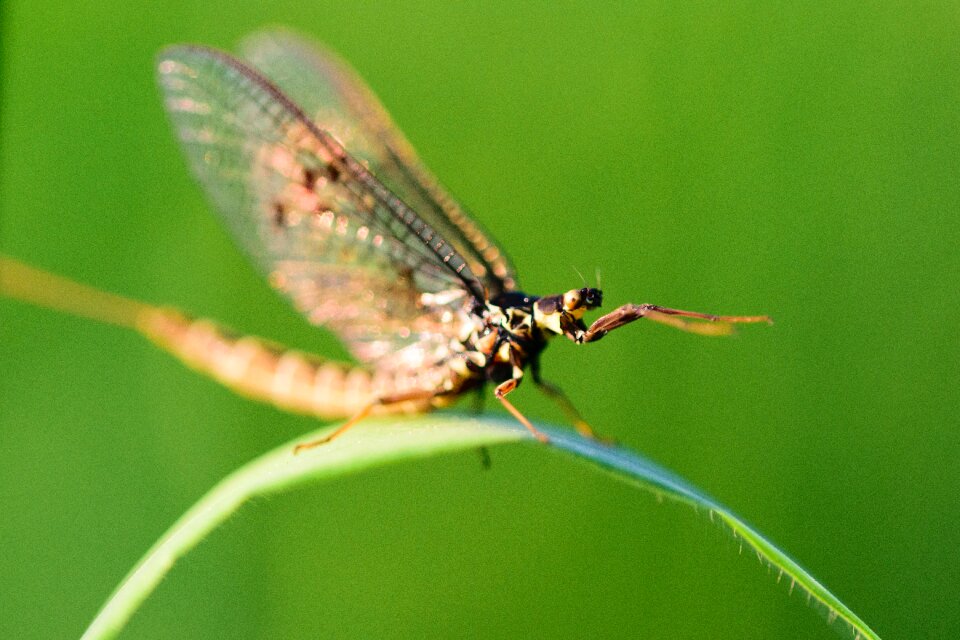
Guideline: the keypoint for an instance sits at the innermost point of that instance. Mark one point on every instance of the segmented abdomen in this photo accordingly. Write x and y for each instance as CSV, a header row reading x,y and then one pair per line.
x,y
260,370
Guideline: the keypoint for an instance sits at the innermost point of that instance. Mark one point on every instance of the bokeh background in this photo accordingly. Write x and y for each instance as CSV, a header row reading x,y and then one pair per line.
x,y
734,157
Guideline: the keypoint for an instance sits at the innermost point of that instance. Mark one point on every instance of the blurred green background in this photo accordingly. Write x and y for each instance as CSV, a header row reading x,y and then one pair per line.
x,y
728,157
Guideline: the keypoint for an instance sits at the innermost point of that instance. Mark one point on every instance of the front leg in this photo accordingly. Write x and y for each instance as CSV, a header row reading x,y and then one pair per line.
x,y
714,325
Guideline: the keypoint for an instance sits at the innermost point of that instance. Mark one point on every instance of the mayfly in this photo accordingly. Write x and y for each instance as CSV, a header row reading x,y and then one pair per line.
x,y
331,202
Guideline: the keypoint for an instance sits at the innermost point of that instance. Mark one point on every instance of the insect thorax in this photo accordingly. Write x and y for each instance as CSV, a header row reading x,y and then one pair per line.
x,y
504,339
511,330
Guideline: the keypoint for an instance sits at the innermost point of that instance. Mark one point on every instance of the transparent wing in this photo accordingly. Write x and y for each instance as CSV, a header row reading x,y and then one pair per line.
x,y
347,252
335,97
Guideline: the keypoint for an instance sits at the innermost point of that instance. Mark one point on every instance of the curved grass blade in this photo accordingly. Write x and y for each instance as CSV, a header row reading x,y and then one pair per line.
x,y
393,440
640,472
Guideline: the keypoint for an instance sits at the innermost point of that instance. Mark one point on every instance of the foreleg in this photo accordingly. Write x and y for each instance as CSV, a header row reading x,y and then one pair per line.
x,y
712,324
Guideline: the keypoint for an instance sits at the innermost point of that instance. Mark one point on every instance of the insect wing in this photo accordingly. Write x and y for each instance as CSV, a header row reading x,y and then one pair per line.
x,y
335,97
347,252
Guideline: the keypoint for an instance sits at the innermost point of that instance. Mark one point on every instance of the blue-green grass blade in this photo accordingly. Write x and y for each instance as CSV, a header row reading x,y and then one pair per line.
x,y
393,440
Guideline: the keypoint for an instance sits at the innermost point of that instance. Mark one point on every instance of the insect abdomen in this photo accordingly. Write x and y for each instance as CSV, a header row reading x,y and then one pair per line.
x,y
260,370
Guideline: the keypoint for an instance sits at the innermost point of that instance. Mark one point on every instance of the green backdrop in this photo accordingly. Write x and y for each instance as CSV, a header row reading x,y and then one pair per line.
x,y
728,157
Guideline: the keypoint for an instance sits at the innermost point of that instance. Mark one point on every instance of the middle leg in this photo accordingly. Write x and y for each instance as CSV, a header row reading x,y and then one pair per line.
x,y
501,394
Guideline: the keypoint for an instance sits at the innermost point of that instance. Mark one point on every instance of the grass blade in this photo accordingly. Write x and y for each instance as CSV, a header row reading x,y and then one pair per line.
x,y
384,441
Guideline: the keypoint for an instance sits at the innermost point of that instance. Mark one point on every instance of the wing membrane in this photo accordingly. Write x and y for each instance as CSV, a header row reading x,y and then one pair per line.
x,y
346,251
335,97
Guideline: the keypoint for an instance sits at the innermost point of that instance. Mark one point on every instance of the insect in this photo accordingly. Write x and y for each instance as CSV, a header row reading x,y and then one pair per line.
x,y
327,197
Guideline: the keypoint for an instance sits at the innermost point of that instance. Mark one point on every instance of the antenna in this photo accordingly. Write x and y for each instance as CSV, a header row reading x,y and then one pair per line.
x,y
577,271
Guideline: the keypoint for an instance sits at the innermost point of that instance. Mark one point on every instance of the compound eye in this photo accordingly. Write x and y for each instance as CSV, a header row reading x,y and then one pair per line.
x,y
592,298
572,299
